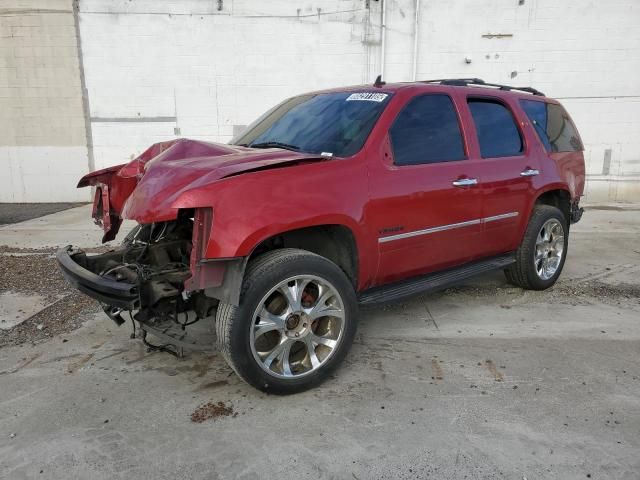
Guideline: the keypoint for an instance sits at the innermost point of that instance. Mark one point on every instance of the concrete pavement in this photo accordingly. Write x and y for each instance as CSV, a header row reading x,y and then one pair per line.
x,y
481,381
72,226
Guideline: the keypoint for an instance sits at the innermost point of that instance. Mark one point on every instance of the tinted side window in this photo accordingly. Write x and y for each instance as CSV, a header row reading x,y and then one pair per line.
x,y
427,131
497,131
553,126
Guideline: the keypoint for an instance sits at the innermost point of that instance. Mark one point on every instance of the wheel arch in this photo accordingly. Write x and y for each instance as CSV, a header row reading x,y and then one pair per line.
x,y
559,197
336,242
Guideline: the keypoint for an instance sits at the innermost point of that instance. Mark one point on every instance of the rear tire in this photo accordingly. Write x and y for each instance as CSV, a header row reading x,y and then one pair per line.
x,y
542,253
295,323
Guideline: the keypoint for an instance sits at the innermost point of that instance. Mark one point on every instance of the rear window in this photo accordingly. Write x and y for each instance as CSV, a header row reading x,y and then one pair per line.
x,y
553,126
498,134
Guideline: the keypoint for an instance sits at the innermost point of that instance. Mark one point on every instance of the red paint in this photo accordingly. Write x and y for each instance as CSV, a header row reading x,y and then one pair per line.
x,y
257,193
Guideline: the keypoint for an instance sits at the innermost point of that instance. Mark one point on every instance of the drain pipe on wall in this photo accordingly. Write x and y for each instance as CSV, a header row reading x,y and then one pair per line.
x,y
383,35
416,35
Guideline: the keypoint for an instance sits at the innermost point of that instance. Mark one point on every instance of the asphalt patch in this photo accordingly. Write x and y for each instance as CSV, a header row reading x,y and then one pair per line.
x,y
20,212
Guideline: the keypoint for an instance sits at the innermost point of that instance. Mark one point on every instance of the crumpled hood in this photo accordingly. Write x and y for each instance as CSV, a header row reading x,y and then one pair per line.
x,y
166,172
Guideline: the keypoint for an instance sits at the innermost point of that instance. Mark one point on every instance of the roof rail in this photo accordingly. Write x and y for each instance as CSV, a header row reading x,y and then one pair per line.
x,y
463,82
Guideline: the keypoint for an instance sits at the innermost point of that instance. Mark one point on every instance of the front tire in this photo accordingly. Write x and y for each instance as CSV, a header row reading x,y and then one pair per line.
x,y
542,253
295,323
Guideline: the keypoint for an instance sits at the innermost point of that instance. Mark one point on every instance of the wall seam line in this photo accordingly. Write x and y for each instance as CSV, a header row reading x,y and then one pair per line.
x,y
83,86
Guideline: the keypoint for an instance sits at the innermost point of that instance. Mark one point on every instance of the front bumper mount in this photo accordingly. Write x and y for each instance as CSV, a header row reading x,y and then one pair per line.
x,y
73,263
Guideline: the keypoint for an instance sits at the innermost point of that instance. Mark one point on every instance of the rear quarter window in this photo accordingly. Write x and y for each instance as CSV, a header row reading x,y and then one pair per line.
x,y
553,126
497,131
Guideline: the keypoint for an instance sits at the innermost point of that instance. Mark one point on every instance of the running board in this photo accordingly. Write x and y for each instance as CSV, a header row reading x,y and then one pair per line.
x,y
433,281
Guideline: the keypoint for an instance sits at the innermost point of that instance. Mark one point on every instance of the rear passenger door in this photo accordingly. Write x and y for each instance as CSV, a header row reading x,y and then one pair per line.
x,y
561,141
508,167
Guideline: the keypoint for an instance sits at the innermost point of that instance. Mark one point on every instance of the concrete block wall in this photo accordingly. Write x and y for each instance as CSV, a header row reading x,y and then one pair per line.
x,y
157,69
43,144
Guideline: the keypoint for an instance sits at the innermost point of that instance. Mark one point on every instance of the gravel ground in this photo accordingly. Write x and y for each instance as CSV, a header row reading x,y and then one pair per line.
x,y
33,271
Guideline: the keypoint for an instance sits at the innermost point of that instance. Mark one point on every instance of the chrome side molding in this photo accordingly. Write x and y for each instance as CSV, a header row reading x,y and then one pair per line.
x,y
450,226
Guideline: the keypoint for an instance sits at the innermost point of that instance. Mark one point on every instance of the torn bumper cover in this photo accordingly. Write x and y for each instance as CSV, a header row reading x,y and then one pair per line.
x,y
74,265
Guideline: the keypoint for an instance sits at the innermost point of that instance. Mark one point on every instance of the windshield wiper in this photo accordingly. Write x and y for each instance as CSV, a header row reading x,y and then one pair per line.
x,y
286,146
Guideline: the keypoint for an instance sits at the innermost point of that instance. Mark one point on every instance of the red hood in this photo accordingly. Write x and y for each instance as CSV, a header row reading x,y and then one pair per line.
x,y
189,164
146,188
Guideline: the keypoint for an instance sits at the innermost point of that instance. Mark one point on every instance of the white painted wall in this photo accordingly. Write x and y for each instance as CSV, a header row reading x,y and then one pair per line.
x,y
209,69
157,67
584,53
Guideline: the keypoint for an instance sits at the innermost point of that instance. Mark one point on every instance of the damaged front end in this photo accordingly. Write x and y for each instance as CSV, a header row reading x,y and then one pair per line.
x,y
114,185
162,275
148,279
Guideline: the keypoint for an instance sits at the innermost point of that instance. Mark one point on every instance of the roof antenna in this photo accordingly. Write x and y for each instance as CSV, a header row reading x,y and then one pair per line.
x,y
379,83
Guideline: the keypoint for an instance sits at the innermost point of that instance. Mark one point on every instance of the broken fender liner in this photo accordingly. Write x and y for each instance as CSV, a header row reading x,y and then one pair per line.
x,y
576,212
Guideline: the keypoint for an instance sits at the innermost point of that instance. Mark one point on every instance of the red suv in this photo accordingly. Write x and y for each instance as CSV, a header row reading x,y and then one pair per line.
x,y
334,198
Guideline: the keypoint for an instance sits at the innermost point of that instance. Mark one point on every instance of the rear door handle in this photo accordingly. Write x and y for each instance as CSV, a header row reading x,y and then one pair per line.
x,y
529,172
465,182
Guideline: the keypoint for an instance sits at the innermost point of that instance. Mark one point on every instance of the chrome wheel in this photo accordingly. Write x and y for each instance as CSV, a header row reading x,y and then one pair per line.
x,y
549,249
297,326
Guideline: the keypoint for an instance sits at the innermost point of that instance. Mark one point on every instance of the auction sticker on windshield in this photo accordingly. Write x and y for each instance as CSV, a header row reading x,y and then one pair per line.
x,y
367,97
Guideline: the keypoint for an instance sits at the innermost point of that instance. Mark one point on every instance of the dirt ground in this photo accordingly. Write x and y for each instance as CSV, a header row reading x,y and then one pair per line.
x,y
480,381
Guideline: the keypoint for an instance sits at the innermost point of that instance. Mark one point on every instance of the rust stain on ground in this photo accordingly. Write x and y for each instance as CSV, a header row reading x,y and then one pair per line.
x,y
211,410
25,363
437,370
200,368
77,365
497,376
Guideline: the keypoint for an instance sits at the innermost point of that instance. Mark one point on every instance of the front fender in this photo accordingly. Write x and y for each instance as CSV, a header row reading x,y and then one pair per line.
x,y
253,207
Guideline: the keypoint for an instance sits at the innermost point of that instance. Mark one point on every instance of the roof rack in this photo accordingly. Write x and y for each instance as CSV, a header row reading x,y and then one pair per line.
x,y
463,82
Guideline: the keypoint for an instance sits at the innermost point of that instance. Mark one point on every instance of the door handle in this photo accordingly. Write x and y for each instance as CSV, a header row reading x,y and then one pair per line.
x,y
529,172
465,182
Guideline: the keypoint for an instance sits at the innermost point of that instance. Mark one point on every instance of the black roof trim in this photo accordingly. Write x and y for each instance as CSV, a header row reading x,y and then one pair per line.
x,y
463,82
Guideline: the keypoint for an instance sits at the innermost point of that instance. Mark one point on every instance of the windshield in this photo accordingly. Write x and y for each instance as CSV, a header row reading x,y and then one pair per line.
x,y
333,124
